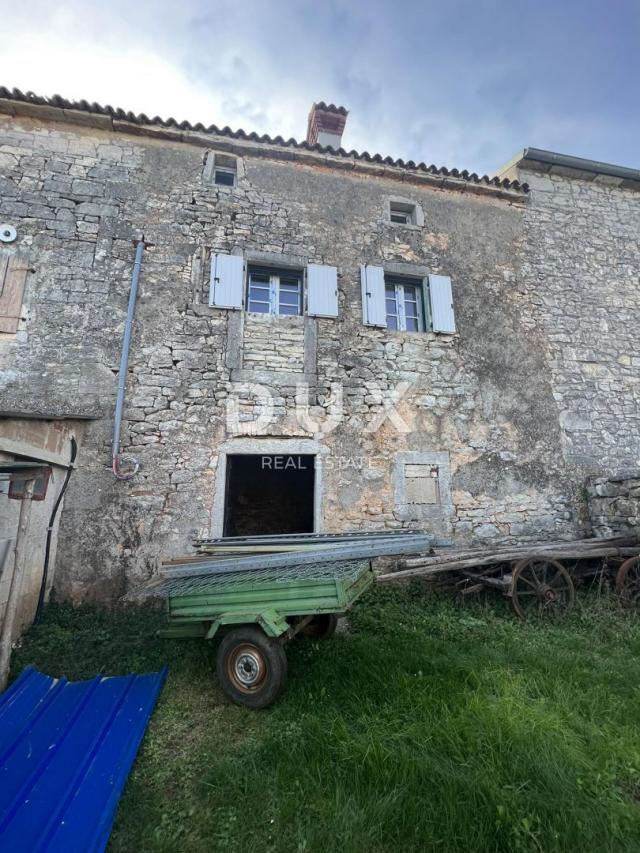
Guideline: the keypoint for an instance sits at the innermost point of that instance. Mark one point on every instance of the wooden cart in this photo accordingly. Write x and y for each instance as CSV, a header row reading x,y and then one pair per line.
x,y
539,577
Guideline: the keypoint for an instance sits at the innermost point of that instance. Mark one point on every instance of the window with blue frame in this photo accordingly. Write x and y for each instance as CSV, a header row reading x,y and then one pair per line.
x,y
274,291
404,304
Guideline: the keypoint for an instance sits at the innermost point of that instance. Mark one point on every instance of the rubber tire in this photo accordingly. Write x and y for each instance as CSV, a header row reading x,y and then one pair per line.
x,y
274,658
322,627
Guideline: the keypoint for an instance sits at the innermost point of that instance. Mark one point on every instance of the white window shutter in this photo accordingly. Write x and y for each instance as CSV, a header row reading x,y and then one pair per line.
x,y
227,279
441,300
374,312
322,291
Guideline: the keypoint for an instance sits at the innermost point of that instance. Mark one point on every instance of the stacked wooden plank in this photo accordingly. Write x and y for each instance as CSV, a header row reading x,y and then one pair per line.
x,y
458,559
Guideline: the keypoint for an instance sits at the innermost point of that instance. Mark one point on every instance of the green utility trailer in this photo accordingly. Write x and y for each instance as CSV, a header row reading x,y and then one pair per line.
x,y
259,611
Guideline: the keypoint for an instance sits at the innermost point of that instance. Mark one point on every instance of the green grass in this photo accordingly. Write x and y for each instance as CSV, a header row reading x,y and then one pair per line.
x,y
432,725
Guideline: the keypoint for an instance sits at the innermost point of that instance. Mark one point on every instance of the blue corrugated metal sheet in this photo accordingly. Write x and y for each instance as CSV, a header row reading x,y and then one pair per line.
x,y
66,749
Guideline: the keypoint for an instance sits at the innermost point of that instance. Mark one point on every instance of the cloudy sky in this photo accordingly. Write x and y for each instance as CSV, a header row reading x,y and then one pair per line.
x,y
464,83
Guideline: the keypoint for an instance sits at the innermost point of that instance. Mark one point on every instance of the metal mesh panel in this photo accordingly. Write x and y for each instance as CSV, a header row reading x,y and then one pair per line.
x,y
347,570
285,538
337,553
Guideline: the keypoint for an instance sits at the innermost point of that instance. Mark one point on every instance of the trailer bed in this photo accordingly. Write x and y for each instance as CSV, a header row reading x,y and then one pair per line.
x,y
300,586
197,607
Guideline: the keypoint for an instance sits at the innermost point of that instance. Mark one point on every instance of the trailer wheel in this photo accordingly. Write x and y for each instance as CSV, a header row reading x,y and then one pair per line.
x,y
628,582
251,667
322,627
541,585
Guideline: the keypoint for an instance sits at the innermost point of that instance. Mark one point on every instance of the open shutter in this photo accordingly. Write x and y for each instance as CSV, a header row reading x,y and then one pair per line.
x,y
227,279
374,312
441,300
13,276
322,291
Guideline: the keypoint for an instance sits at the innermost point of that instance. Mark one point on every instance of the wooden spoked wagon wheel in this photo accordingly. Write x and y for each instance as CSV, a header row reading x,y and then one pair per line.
x,y
628,582
541,585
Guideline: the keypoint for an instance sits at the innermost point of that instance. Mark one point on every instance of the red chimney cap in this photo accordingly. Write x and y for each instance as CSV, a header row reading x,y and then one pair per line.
x,y
326,124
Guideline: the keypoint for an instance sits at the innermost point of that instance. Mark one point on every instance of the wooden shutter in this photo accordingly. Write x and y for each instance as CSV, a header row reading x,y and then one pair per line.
x,y
441,301
374,311
322,291
13,276
227,280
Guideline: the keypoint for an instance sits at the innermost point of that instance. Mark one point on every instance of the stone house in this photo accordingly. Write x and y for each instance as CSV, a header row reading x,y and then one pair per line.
x,y
321,339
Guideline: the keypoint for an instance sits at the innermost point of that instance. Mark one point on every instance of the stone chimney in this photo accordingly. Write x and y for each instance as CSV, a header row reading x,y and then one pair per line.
x,y
326,124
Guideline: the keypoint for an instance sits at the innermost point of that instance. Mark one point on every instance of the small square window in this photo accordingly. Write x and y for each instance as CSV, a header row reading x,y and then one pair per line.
x,y
402,213
222,169
400,217
421,484
225,177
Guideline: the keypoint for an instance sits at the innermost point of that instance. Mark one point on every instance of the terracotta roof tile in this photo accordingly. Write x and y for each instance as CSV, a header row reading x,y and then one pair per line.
x,y
141,119
331,108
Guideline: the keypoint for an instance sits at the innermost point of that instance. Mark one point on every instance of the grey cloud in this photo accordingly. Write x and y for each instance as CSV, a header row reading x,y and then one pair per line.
x,y
462,83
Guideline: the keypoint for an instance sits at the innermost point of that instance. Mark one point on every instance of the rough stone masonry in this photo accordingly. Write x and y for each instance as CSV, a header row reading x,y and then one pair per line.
x,y
535,391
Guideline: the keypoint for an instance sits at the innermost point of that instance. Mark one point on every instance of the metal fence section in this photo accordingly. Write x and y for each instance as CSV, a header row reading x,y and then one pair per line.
x,y
286,538
347,570
414,543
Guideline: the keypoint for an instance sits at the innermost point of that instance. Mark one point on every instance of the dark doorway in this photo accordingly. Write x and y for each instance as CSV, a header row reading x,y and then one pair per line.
x,y
269,494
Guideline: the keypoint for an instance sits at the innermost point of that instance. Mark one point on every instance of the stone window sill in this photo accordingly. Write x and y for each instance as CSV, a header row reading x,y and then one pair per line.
x,y
426,334
409,226
273,318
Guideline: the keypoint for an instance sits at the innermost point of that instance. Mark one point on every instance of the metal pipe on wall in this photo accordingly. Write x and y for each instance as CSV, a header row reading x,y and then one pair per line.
x,y
117,460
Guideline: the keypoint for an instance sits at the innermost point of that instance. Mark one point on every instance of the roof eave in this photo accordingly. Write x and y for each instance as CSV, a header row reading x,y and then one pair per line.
x,y
17,104
541,160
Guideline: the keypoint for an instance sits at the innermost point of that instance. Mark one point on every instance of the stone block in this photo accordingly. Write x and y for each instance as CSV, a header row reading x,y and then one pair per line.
x,y
486,531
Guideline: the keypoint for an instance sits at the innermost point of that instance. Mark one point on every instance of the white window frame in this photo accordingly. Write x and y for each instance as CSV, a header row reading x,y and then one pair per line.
x,y
401,315
274,293
400,217
404,209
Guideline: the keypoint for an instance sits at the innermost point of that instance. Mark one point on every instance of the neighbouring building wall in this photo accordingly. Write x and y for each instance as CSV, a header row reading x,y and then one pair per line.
x,y
582,274
614,504
491,412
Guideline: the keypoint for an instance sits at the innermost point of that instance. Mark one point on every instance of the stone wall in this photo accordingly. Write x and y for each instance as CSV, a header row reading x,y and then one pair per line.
x,y
273,343
614,504
582,274
496,405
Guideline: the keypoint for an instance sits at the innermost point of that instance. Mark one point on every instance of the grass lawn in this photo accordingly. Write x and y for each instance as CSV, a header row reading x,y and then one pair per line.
x,y
432,725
